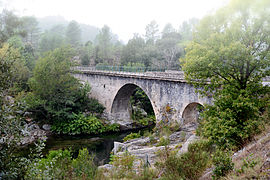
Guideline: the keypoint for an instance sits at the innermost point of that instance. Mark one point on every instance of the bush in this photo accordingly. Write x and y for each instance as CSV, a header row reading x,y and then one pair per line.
x,y
123,166
94,106
232,120
113,127
56,165
163,141
132,136
60,165
189,165
223,164
80,124
83,166
56,93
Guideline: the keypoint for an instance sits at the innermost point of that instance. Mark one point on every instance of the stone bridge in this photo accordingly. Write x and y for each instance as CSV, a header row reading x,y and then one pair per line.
x,y
172,98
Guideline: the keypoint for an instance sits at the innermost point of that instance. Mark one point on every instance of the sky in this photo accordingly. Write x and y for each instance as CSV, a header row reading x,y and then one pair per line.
x,y
124,17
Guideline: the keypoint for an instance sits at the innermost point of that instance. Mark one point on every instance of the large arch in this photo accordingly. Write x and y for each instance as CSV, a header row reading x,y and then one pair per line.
x,y
191,113
120,108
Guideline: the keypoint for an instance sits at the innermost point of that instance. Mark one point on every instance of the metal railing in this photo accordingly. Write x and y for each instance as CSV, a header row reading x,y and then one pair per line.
x,y
129,69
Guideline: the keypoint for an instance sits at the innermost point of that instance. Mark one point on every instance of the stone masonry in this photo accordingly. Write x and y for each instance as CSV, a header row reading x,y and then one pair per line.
x,y
168,92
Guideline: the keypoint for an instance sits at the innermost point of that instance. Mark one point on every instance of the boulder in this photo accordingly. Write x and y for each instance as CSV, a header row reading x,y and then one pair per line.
x,y
46,127
118,147
190,140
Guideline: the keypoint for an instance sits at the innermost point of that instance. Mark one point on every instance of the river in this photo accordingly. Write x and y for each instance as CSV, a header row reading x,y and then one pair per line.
x,y
100,146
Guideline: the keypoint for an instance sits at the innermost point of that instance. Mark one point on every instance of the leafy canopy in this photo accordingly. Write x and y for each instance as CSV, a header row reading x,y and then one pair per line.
x,y
232,46
231,50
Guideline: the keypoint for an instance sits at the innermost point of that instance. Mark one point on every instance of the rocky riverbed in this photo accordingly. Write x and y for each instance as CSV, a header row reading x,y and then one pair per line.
x,y
146,151
33,132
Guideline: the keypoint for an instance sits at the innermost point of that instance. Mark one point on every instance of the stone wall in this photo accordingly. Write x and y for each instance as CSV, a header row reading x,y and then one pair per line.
x,y
168,92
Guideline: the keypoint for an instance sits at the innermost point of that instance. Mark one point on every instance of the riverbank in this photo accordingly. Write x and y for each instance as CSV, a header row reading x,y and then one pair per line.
x,y
146,149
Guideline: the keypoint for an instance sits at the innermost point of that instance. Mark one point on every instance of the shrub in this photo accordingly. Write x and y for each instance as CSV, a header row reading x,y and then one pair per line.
x,y
113,127
163,141
132,136
94,106
232,120
55,166
123,166
60,165
80,125
83,166
223,164
189,165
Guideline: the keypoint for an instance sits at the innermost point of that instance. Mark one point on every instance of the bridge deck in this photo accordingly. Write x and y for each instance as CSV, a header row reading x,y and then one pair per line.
x,y
176,76
162,76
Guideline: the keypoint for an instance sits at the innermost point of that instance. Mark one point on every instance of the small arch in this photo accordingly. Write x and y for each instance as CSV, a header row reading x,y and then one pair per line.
x,y
191,113
121,107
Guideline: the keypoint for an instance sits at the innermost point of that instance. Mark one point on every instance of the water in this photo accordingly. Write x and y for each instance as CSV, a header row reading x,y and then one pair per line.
x,y
100,146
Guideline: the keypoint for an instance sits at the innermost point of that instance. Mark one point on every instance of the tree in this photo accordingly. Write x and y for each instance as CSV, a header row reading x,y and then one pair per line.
x,y
17,74
30,27
11,124
56,92
231,50
87,53
168,29
103,41
10,25
169,48
187,27
132,52
151,32
50,41
73,33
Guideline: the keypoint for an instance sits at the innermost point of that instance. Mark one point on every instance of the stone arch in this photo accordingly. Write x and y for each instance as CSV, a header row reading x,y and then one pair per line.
x,y
120,108
191,113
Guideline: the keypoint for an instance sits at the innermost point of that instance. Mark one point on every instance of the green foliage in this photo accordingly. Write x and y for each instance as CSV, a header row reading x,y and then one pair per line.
x,y
189,165
60,165
221,50
141,100
163,141
94,106
73,33
113,127
145,121
223,164
56,165
104,45
83,124
12,165
49,41
227,59
10,25
233,118
248,162
80,124
7,57
59,95
123,166
132,136
83,166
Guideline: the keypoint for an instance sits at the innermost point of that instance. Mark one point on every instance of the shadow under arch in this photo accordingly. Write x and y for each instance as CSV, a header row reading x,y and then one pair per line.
x,y
121,107
191,112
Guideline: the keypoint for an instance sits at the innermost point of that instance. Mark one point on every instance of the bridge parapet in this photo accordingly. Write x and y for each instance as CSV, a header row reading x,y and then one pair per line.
x,y
177,76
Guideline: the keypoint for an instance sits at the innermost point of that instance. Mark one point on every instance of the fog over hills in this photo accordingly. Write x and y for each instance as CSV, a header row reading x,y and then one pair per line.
x,y
88,32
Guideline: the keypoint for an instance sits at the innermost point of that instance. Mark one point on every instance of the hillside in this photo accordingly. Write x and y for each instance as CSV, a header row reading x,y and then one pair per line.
x,y
88,32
